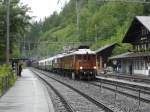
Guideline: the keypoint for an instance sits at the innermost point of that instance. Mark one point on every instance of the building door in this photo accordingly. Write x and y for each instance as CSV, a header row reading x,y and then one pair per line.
x,y
130,69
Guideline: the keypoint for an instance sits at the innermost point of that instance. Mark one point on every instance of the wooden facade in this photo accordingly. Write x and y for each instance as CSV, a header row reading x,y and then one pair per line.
x,y
137,61
102,56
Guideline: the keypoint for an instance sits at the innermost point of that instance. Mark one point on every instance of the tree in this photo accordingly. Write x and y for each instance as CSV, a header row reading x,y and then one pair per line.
x,y
100,23
19,25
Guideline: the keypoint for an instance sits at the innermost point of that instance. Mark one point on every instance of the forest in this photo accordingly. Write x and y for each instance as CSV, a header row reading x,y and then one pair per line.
x,y
92,22
99,23
19,26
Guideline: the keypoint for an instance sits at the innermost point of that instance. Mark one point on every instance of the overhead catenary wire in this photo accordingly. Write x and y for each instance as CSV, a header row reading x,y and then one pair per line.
x,y
127,1
47,42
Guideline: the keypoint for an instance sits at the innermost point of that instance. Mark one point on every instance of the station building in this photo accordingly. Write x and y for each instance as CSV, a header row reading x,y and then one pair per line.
x,y
102,56
137,61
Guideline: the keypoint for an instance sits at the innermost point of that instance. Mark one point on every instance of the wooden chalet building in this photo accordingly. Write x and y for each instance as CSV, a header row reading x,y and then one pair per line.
x,y
138,60
102,56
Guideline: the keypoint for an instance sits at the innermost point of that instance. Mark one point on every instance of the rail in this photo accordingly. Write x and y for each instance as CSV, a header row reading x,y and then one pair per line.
x,y
66,104
135,88
133,85
144,79
94,101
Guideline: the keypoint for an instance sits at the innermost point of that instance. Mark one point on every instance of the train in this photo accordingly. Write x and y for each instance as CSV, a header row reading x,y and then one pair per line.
x,y
78,64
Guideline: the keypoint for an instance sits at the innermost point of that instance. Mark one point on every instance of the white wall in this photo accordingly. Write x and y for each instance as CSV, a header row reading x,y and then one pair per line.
x,y
125,68
143,72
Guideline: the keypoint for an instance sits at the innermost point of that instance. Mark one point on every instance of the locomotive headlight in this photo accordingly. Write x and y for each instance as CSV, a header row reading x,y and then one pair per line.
x,y
81,68
94,67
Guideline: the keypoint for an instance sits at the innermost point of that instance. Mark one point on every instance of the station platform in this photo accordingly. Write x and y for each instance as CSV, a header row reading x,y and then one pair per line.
x,y
27,95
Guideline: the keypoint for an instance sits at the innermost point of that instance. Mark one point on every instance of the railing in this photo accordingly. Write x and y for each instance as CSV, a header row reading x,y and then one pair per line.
x,y
4,84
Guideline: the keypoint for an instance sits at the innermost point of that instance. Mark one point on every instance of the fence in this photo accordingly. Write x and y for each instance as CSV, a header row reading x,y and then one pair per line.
x,y
5,83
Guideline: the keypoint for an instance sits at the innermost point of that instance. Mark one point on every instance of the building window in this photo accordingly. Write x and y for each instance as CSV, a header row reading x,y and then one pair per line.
x,y
148,45
139,65
147,31
142,65
138,47
142,31
136,65
145,46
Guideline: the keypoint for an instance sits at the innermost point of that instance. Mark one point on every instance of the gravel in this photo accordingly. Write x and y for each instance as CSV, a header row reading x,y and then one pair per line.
x,y
78,102
119,103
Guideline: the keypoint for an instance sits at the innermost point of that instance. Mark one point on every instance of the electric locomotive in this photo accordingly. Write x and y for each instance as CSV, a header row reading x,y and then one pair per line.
x,y
79,64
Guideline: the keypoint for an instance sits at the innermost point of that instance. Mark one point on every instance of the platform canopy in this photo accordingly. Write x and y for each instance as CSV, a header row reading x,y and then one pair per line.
x,y
131,55
18,59
138,22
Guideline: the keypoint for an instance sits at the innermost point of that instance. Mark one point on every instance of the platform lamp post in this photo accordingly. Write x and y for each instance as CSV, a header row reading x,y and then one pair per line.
x,y
8,30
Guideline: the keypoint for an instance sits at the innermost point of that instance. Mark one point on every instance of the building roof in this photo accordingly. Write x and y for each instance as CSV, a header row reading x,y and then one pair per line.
x,y
145,20
18,59
135,25
82,51
110,46
120,56
131,55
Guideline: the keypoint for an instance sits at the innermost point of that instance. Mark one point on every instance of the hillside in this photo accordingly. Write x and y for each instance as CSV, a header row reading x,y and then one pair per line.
x,y
100,23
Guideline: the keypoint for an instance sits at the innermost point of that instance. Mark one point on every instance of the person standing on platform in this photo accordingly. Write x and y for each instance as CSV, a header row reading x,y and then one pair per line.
x,y
20,69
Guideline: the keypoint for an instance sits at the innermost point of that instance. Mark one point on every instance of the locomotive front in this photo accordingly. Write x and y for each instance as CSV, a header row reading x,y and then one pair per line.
x,y
85,63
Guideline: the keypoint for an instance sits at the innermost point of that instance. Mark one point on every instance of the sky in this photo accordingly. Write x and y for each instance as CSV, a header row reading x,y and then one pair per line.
x,y
43,8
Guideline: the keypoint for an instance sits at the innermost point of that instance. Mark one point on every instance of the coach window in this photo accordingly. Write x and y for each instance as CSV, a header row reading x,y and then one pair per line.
x,y
89,57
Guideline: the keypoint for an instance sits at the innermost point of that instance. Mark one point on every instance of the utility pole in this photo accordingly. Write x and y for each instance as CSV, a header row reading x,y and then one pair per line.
x,y
8,30
96,35
78,16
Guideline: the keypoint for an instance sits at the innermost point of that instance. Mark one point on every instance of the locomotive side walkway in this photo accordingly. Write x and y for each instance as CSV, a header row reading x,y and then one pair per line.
x,y
28,95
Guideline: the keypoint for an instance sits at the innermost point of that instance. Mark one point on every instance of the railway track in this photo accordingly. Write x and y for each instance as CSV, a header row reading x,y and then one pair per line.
x,y
130,78
65,106
141,86
85,99
128,90
121,103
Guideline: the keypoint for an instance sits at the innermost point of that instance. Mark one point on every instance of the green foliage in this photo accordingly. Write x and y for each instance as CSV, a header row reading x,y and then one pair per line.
x,y
6,71
100,23
19,26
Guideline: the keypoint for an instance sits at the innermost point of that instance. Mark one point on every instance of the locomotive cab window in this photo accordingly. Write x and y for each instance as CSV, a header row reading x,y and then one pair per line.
x,y
84,57
79,57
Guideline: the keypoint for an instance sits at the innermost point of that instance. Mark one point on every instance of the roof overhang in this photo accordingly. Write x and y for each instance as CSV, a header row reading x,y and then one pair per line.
x,y
107,48
131,55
